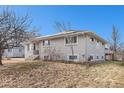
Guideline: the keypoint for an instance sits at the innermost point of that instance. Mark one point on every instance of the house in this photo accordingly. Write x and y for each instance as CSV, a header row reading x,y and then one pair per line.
x,y
110,55
15,52
84,46
19,51
108,52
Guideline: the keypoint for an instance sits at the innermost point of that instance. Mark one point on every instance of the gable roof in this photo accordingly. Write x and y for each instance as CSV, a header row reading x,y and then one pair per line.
x,y
67,33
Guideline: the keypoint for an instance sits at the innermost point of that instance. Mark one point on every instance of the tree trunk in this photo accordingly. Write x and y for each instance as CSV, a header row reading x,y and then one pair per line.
x,y
113,57
1,57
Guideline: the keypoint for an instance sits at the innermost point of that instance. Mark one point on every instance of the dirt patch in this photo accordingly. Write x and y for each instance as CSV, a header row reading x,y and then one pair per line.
x,y
53,74
13,60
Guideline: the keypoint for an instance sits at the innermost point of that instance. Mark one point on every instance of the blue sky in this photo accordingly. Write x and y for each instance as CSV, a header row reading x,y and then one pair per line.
x,y
99,19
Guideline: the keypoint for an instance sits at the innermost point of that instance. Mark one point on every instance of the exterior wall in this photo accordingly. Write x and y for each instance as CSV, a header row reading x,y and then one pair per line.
x,y
108,57
94,49
83,49
14,52
29,54
116,56
65,50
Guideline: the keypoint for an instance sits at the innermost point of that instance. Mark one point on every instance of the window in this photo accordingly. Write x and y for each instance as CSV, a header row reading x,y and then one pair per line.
x,y
90,58
92,39
97,43
106,48
72,57
46,42
71,40
9,50
97,57
102,57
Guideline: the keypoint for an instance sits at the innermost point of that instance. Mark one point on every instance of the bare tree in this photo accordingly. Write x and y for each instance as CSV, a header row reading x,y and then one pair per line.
x,y
61,27
52,53
120,48
12,30
31,34
115,40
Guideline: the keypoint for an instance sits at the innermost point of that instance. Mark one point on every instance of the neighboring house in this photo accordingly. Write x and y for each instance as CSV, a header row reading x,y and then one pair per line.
x,y
19,51
85,44
110,55
16,52
108,52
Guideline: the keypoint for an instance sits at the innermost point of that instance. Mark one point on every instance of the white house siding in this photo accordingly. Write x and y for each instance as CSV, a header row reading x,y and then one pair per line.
x,y
83,49
14,52
28,53
65,50
95,50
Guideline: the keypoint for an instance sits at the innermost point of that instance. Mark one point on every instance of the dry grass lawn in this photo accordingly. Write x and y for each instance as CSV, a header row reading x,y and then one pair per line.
x,y
13,60
53,74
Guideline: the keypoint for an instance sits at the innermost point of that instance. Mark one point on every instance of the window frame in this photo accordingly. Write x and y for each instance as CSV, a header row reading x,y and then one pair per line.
x,y
48,43
65,38
97,43
92,39
68,57
72,57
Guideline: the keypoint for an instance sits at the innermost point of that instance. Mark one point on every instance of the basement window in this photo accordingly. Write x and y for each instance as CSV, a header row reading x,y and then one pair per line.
x,y
9,50
73,57
90,58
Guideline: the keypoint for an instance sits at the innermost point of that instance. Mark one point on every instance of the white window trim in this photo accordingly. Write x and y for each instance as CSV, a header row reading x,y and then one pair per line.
x,y
70,44
93,39
46,44
74,55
